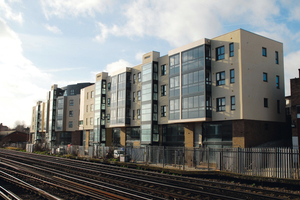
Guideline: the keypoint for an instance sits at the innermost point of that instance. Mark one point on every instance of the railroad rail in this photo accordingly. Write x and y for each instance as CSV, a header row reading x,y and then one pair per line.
x,y
165,186
8,195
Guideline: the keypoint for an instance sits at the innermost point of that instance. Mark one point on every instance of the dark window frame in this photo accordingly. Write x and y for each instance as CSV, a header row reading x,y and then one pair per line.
x,y
108,102
71,113
109,86
71,102
231,50
163,111
219,80
266,103
134,77
264,51
265,77
139,95
139,77
277,82
138,113
133,97
232,77
232,102
163,70
221,107
163,91
276,57
133,114
220,53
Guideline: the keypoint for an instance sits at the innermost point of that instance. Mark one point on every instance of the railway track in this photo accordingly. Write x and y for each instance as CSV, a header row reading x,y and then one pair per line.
x,y
161,185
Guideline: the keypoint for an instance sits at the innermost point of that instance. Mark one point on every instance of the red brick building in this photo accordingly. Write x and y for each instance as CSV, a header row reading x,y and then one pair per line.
x,y
9,137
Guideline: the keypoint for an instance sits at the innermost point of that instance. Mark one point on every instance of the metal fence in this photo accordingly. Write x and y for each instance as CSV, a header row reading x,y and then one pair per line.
x,y
267,162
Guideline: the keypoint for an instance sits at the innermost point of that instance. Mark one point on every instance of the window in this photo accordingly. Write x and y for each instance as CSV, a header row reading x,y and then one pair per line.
x,y
139,77
72,92
266,104
139,95
220,104
276,57
108,86
232,80
92,107
133,114
92,94
264,51
134,77
232,99
220,78
163,111
91,121
87,95
277,82
108,102
163,90
265,77
71,103
163,70
278,106
138,111
71,113
70,124
108,118
231,50
220,53
87,108
133,97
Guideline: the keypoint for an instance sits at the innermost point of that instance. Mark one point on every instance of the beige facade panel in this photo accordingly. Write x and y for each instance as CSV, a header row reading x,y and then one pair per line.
x,y
88,106
71,113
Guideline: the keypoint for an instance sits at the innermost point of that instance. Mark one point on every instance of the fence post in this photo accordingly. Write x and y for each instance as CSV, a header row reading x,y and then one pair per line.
x,y
221,160
183,158
163,156
207,155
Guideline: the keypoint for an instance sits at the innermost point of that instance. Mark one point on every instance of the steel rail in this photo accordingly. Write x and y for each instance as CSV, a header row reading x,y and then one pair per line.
x,y
6,194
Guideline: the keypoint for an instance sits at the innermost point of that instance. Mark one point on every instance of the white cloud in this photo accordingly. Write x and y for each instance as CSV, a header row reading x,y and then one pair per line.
x,y
291,66
120,64
181,22
53,29
75,8
139,56
6,12
21,82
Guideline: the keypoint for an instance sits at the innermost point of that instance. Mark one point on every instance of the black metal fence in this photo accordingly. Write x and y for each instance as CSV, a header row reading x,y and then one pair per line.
x,y
267,162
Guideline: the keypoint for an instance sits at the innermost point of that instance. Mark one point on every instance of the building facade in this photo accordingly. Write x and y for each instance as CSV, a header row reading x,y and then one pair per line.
x,y
226,91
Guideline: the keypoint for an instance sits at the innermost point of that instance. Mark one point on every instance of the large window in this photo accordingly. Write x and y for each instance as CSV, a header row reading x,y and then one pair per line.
x,y
193,82
133,133
72,92
220,53
264,51
71,103
163,110
276,57
174,86
163,70
266,103
70,124
174,109
232,80
71,113
193,107
220,78
232,99
277,82
174,64
221,104
231,50
163,90
265,77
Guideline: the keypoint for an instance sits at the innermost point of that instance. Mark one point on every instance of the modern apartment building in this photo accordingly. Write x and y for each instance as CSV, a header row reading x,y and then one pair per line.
x,y
226,91
56,121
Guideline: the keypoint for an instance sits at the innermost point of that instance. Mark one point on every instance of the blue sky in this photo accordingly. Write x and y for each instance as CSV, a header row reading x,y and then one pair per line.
x,y
62,42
